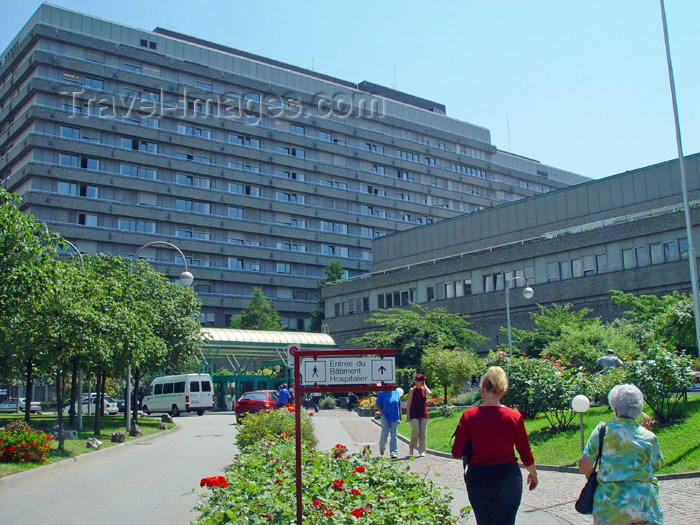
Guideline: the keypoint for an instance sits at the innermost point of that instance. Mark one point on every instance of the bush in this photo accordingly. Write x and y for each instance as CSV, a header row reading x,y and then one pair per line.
x,y
524,380
20,443
663,380
367,402
270,425
327,403
468,398
339,488
405,378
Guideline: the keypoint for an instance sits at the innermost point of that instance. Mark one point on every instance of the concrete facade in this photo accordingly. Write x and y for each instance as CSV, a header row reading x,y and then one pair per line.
x,y
261,172
624,232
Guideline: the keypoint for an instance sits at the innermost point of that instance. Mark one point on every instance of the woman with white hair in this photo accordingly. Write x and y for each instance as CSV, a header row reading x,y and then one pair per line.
x,y
628,492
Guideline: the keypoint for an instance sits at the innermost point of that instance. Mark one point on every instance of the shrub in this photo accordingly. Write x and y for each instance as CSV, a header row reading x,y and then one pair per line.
x,y
20,443
367,402
270,425
339,488
601,384
524,380
327,403
468,398
663,380
405,378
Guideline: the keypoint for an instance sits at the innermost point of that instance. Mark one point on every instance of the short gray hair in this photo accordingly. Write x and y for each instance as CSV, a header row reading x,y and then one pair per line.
x,y
628,400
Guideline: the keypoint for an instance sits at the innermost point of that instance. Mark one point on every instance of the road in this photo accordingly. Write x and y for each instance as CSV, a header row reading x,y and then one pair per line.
x,y
143,482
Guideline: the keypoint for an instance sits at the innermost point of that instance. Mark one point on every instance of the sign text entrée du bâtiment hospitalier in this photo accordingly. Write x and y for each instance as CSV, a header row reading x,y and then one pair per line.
x,y
347,370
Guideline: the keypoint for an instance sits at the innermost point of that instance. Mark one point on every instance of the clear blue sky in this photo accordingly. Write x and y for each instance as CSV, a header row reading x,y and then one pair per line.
x,y
580,85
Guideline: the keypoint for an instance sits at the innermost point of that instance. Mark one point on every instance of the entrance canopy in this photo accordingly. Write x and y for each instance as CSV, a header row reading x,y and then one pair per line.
x,y
246,348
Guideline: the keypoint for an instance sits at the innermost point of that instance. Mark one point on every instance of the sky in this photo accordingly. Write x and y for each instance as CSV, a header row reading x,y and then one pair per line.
x,y
578,85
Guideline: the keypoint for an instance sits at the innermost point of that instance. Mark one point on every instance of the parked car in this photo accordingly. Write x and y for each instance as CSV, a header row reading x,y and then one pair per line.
x,y
255,401
10,405
110,405
696,382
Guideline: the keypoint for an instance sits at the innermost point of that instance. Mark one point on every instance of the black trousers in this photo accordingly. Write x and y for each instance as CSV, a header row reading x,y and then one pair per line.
x,y
494,492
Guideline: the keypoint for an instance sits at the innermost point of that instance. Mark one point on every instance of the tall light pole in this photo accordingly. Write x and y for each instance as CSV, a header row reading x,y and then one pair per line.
x,y
80,370
527,294
686,208
185,279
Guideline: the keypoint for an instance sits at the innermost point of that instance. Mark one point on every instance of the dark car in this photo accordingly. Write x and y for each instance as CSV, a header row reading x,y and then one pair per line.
x,y
255,401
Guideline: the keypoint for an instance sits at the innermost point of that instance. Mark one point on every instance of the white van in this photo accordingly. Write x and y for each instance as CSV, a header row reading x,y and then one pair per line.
x,y
183,393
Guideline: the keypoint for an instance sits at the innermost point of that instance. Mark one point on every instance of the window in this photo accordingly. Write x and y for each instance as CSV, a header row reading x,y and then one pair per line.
x,y
577,267
602,263
72,78
565,270
95,56
253,191
94,83
192,206
294,175
79,190
657,253
368,146
643,256
86,219
89,163
235,187
234,263
298,223
288,150
200,84
408,155
284,268
367,232
430,161
132,68
235,213
242,140
137,226
300,295
192,180
68,160
70,133
366,255
297,129
325,136
379,170
129,170
336,227
671,251
629,259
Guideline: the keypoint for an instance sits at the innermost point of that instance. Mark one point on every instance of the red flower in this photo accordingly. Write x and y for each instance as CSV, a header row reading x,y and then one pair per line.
x,y
359,512
278,470
355,492
316,503
215,481
328,513
311,414
359,469
338,484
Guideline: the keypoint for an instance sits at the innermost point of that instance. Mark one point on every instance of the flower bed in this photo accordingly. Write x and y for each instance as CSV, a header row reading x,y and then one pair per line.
x,y
338,488
19,443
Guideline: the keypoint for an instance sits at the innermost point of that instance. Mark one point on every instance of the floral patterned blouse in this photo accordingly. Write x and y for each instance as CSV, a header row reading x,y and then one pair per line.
x,y
627,487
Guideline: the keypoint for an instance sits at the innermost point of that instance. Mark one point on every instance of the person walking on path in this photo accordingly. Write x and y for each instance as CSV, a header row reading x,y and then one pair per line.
x,y
493,479
315,398
628,491
283,395
418,415
609,360
388,404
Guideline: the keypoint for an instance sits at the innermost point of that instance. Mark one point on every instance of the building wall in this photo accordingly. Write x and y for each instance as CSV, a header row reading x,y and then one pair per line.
x,y
631,238
261,172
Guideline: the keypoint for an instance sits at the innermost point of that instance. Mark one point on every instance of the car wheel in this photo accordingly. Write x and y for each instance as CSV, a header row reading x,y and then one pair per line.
x,y
146,411
175,411
200,412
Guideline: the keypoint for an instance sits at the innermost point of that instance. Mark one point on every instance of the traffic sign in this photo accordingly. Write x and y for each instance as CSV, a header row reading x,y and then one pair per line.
x,y
347,370
291,350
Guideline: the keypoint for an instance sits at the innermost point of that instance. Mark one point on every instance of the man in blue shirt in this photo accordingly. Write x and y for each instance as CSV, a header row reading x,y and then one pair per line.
x,y
388,404
282,395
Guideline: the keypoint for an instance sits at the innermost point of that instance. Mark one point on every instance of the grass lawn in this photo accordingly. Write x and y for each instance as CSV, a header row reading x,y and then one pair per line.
x,y
75,447
680,441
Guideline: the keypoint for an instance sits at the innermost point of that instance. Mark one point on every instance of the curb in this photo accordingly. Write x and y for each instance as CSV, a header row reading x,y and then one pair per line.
x,y
555,468
38,470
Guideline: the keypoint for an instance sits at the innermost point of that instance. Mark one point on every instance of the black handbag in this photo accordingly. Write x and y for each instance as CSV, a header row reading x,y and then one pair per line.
x,y
584,503
467,453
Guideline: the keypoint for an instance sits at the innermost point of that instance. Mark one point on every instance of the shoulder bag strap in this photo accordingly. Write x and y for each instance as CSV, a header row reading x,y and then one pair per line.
x,y
601,436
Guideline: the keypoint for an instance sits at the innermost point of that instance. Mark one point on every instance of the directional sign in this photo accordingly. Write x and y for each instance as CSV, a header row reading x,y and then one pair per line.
x,y
347,370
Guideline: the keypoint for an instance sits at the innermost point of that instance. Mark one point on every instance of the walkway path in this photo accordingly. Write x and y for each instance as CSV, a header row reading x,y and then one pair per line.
x,y
550,504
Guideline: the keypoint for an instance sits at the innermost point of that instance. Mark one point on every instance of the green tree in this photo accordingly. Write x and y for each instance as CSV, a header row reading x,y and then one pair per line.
x,y
579,346
258,315
27,275
331,273
549,324
449,367
668,320
411,330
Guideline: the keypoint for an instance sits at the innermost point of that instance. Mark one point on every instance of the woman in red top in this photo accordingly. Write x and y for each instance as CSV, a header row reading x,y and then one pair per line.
x,y
493,479
418,415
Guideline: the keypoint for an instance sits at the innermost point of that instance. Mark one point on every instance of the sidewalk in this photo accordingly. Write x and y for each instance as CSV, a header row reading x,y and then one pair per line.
x,y
551,503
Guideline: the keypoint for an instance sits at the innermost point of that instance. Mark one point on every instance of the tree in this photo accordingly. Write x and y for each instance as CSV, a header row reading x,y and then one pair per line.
x,y
331,273
27,275
449,367
258,315
413,329
549,324
668,320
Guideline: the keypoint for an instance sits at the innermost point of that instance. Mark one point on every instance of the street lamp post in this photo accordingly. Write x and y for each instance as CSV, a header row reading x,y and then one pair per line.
x,y
580,404
80,370
185,279
527,294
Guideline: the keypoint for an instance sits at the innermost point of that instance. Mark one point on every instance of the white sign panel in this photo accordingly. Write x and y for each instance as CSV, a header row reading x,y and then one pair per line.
x,y
347,370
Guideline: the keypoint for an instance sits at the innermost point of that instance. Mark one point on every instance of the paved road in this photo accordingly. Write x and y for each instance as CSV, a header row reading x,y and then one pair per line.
x,y
144,482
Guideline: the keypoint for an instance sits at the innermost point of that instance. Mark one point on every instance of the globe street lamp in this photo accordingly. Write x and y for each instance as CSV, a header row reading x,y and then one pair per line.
x,y
185,279
527,294
580,404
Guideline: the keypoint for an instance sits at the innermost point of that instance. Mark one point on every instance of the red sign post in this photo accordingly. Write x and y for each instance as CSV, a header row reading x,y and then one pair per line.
x,y
299,390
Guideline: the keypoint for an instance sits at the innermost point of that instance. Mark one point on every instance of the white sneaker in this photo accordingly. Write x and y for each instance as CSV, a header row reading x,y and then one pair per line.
x,y
422,454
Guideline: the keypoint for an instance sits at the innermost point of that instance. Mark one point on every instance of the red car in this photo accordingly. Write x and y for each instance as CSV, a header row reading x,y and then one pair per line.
x,y
252,402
